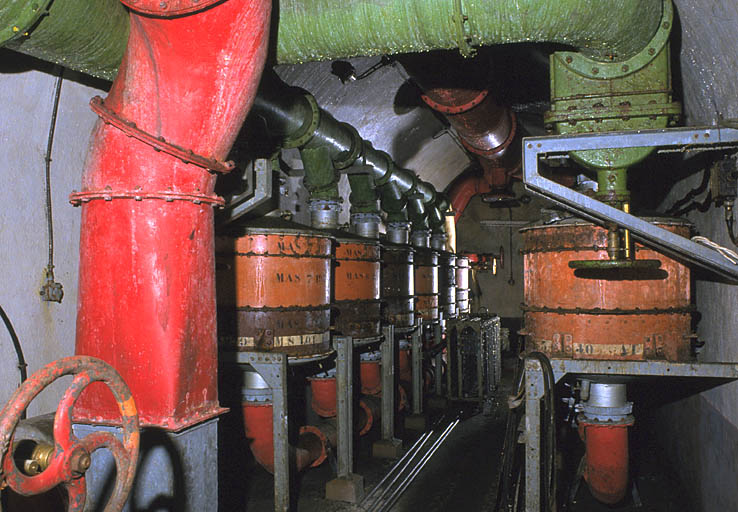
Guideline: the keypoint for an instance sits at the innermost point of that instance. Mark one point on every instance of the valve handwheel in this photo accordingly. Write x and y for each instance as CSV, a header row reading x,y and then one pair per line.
x,y
71,457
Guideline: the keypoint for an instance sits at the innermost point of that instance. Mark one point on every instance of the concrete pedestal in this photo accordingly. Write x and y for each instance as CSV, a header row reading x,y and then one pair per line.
x,y
416,422
387,449
176,471
346,488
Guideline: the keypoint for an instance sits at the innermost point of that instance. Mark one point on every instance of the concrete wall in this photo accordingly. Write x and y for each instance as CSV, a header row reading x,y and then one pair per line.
x,y
46,329
701,432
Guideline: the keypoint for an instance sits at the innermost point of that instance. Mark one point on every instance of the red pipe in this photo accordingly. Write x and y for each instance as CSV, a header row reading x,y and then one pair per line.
x,y
606,462
147,286
323,390
312,445
403,360
370,376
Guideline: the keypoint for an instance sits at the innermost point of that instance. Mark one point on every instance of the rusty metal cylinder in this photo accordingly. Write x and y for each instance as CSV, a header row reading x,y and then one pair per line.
x,y
398,284
356,277
426,284
462,285
274,289
447,284
625,314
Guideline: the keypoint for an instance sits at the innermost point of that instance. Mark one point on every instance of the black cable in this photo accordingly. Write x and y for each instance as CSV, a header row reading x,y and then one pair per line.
x,y
47,159
22,365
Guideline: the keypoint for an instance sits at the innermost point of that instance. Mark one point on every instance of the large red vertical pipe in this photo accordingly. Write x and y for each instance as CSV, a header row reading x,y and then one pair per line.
x,y
606,459
147,286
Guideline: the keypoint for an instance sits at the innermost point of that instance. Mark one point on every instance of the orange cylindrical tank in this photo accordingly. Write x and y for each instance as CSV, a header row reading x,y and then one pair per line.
x,y
462,284
426,284
398,284
274,288
356,286
447,284
627,314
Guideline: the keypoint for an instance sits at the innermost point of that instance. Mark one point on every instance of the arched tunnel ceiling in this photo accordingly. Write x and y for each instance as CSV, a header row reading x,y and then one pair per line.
x,y
387,114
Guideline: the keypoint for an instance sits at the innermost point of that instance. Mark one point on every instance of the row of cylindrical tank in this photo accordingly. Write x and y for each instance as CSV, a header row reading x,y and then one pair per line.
x,y
283,286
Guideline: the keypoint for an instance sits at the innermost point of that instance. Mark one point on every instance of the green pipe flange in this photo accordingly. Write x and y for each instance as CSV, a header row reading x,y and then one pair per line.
x,y
383,180
635,111
597,70
346,159
303,138
18,16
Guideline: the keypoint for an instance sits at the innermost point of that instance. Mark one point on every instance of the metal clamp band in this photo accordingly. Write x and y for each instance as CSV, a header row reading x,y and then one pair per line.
x,y
455,109
107,194
300,140
158,143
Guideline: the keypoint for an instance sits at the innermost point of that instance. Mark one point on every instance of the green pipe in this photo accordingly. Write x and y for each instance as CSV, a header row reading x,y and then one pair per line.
x,y
85,35
321,177
311,30
363,196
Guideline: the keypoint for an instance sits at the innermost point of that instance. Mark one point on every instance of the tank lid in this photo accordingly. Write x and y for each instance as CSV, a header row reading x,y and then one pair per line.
x,y
348,237
274,226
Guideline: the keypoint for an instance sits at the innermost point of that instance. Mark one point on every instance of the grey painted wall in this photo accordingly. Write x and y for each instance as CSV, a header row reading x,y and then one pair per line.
x,y
701,432
46,329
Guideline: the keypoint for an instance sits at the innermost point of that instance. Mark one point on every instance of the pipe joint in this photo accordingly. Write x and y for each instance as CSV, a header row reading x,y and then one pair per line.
x,y
346,159
309,127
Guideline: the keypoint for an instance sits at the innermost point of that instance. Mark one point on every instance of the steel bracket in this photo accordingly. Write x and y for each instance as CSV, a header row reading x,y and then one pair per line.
x,y
255,196
685,139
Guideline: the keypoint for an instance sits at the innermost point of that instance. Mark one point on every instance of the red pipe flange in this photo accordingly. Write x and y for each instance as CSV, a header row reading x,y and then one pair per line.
x,y
71,457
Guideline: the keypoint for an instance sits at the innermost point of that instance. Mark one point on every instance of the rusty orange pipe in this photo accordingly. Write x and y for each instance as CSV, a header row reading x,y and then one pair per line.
x,y
606,460
370,376
312,445
323,390
146,269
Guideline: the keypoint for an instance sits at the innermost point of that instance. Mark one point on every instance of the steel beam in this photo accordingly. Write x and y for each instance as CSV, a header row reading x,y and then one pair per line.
x,y
417,367
685,139
388,383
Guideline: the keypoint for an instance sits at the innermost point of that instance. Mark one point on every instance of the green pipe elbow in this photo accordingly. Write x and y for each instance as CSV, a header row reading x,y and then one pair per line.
x,y
321,177
363,196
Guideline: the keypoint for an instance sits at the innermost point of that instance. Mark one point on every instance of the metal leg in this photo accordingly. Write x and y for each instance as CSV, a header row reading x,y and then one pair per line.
x,y
273,369
388,447
388,383
533,395
417,362
345,410
437,337
347,486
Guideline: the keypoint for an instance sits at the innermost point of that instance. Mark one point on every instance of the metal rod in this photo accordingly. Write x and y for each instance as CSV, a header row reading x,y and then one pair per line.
x,y
419,467
439,360
400,466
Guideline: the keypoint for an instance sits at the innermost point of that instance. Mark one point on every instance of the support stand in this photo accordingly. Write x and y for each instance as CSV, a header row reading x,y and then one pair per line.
x,y
347,486
388,447
535,391
416,421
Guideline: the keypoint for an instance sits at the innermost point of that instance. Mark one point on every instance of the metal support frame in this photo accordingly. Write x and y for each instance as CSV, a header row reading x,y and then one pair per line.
x,y
258,193
683,138
273,369
388,383
534,392
345,404
437,337
417,367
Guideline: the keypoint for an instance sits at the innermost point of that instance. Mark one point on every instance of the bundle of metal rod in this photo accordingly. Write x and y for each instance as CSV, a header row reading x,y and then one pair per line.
x,y
386,493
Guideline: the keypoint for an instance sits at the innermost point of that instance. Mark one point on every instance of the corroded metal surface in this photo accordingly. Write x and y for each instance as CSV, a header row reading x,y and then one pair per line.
x,y
426,284
274,289
356,290
447,284
584,315
398,284
71,456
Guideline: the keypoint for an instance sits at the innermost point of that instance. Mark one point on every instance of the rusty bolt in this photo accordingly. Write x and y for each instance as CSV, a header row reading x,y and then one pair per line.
x,y
595,71
163,5
651,51
569,60
666,25
625,68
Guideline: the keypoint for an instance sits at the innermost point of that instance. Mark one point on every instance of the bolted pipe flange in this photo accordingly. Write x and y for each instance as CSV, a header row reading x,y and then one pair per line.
x,y
366,224
398,232
421,238
324,213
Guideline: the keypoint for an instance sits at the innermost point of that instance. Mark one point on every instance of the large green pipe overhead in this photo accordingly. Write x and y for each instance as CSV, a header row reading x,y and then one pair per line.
x,y
312,30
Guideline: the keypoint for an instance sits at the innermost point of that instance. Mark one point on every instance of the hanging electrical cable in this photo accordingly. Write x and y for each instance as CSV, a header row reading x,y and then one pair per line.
x,y
22,365
51,291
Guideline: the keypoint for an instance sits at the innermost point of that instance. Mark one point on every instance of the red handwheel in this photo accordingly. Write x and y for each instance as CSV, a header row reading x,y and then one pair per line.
x,y
71,456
